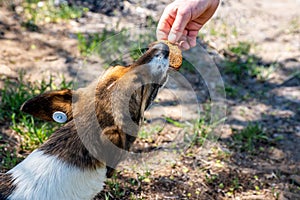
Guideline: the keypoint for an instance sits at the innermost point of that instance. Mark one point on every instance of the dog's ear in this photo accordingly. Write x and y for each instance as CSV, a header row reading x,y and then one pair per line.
x,y
51,106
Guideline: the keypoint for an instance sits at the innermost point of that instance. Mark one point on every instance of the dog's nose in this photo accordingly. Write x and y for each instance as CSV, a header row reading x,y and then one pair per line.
x,y
161,49
158,50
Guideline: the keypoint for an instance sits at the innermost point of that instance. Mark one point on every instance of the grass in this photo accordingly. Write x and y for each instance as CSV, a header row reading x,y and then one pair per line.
x,y
230,91
230,186
239,58
199,133
249,138
146,132
219,28
174,122
115,188
242,63
294,25
36,12
230,182
7,159
14,93
114,47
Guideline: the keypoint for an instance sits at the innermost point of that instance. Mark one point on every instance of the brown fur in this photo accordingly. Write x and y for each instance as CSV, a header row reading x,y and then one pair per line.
x,y
6,186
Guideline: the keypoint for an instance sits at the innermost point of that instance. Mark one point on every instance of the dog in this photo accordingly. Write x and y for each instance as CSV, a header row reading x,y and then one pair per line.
x,y
102,122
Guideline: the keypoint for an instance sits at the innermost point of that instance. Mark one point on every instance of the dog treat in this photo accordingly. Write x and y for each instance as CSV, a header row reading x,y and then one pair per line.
x,y
175,54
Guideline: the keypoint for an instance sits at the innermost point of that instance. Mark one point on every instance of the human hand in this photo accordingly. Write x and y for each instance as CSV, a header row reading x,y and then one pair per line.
x,y
182,20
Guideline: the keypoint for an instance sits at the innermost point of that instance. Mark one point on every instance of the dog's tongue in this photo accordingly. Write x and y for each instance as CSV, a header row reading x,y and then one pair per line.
x,y
175,54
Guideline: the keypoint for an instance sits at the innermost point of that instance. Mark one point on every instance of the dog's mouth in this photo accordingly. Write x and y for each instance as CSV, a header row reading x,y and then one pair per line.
x,y
162,51
158,51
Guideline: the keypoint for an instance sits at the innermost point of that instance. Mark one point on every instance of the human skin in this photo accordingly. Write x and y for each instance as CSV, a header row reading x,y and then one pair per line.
x,y
182,20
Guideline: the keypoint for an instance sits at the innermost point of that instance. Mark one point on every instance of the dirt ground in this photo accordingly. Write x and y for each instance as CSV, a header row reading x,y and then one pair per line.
x,y
171,166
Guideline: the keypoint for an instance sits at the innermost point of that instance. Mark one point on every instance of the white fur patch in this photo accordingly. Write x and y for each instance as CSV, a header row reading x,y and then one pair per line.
x,y
45,177
159,66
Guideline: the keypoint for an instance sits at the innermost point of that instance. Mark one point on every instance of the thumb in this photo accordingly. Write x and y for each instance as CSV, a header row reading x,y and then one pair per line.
x,y
181,20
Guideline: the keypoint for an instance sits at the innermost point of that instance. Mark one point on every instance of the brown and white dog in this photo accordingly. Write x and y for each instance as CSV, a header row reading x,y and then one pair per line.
x,y
66,166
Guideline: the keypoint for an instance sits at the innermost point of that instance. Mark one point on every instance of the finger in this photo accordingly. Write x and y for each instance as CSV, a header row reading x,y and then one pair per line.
x,y
165,23
191,38
181,20
192,41
164,28
162,33
185,33
183,43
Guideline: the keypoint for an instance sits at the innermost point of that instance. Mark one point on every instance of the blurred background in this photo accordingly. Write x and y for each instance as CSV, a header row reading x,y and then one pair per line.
x,y
254,45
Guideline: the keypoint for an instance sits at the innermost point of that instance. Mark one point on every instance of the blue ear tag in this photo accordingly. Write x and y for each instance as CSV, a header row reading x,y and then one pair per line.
x,y
60,117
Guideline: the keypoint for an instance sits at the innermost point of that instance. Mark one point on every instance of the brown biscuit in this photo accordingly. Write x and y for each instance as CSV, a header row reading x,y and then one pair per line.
x,y
175,55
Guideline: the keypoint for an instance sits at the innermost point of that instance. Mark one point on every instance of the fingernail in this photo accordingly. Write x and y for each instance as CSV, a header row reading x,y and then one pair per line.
x,y
172,37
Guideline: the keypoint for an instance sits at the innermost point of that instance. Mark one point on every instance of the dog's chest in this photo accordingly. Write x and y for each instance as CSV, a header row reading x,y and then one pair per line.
x,y
46,177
